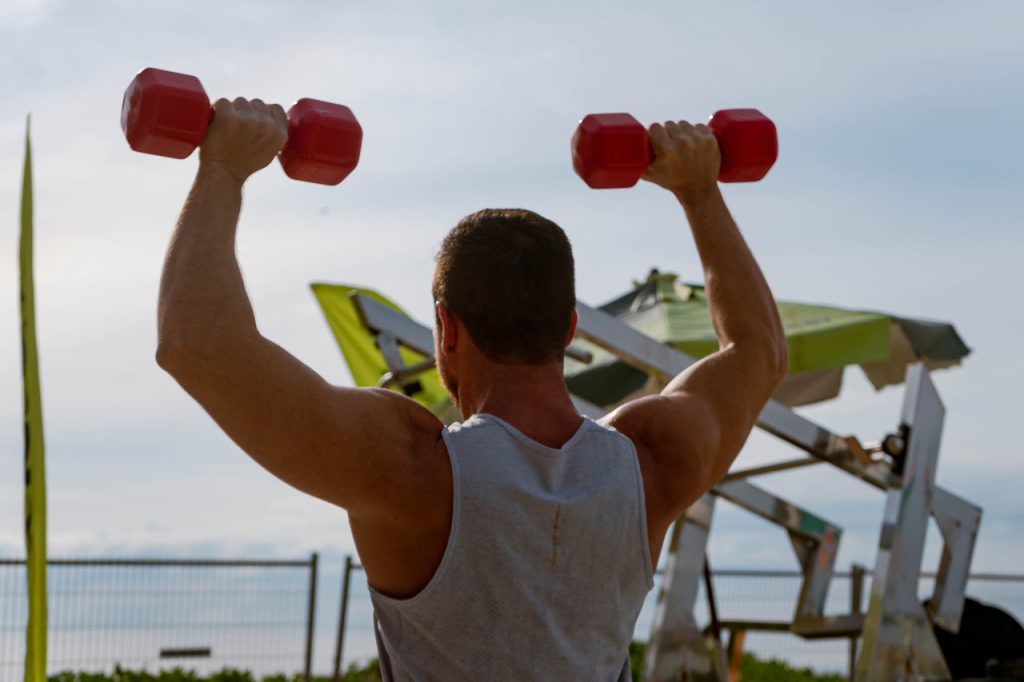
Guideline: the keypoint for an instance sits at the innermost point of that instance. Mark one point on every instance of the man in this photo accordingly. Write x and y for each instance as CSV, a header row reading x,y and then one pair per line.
x,y
520,543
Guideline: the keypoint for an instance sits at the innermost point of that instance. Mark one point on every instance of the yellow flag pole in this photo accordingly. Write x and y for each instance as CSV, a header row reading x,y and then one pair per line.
x,y
35,472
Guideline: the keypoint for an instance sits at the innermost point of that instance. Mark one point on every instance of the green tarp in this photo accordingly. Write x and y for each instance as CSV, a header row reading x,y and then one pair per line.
x,y
822,341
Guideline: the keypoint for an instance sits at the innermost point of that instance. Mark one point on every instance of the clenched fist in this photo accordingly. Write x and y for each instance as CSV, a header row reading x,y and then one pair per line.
x,y
244,136
686,158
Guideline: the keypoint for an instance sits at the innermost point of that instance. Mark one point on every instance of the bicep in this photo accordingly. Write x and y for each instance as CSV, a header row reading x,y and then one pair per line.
x,y
343,445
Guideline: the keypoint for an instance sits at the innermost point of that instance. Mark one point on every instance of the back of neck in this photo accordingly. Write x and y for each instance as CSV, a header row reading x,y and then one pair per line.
x,y
532,398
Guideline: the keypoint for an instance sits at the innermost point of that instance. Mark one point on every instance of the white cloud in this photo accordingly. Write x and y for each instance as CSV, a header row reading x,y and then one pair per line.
x,y
892,193
23,15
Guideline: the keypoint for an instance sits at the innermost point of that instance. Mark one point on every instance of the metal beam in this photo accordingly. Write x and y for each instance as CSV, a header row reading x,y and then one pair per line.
x,y
958,522
770,468
676,648
898,639
380,318
660,359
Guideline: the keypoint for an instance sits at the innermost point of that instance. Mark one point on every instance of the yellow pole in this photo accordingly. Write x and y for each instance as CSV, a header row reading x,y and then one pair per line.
x,y
35,472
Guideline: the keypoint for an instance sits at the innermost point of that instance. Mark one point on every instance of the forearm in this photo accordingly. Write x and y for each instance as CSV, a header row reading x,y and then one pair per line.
x,y
203,303
743,310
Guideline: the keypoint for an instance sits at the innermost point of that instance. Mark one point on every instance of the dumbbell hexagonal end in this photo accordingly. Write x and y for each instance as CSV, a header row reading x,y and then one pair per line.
x,y
165,113
610,150
324,140
748,142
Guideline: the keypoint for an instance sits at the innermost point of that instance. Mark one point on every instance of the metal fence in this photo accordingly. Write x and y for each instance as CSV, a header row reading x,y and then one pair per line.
x,y
767,597
150,614
261,616
770,597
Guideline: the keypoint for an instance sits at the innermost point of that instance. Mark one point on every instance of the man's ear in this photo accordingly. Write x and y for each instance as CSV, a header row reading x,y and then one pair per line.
x,y
448,329
572,327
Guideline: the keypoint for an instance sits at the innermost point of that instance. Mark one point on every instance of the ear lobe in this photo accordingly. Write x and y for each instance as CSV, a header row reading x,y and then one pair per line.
x,y
572,327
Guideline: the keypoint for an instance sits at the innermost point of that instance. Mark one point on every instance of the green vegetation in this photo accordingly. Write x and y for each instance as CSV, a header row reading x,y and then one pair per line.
x,y
636,658
752,668
368,673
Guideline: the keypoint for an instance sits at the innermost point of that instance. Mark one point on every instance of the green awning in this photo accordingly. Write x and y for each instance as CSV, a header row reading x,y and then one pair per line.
x,y
822,341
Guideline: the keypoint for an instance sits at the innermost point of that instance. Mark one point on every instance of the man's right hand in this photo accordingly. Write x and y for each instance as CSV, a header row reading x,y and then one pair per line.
x,y
244,136
686,158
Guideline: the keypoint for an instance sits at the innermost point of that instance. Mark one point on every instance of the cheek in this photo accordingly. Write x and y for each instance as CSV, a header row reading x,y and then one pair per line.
x,y
449,382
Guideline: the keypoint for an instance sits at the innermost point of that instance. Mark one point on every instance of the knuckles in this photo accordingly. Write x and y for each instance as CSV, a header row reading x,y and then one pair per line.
x,y
250,114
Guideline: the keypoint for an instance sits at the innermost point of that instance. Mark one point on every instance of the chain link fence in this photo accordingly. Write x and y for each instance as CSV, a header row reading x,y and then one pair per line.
x,y
740,595
262,616
203,615
771,596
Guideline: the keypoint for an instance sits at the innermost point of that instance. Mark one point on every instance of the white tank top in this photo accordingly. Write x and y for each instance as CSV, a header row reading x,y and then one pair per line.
x,y
546,567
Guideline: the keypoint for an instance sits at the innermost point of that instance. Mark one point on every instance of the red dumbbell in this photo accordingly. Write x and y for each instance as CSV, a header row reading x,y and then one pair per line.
x,y
167,114
612,150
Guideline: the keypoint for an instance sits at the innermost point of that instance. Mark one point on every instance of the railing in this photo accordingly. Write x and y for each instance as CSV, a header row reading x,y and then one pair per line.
x,y
261,615
156,613
763,596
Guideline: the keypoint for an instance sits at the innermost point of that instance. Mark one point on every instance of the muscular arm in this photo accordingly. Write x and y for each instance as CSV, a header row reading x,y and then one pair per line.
x,y
697,426
729,388
742,307
203,301
354,447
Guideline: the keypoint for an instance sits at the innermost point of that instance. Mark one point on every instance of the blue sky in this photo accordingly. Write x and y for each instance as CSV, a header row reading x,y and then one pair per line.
x,y
897,189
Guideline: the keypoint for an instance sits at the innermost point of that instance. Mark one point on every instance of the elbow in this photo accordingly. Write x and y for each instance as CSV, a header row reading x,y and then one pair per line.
x,y
185,353
172,341
772,367
776,353
781,365
767,357
170,356
178,356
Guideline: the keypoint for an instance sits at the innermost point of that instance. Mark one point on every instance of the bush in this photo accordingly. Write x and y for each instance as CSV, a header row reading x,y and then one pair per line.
x,y
752,669
355,673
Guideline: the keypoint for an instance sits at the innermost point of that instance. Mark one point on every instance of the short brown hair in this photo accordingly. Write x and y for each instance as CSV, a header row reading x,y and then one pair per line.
x,y
508,274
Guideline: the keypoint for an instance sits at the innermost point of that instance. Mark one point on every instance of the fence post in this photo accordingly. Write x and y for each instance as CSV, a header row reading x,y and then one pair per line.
x,y
721,657
342,617
310,617
856,599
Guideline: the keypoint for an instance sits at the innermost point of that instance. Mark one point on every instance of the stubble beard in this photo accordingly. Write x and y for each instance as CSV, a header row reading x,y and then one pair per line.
x,y
449,383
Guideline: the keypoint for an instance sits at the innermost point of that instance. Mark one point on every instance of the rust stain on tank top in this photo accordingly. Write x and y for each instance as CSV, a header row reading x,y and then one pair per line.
x,y
554,534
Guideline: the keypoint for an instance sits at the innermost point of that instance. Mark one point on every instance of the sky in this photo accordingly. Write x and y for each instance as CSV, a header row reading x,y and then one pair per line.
x,y
897,189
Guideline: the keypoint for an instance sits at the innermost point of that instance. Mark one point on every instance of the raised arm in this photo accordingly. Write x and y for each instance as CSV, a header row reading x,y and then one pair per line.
x,y
697,426
357,448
